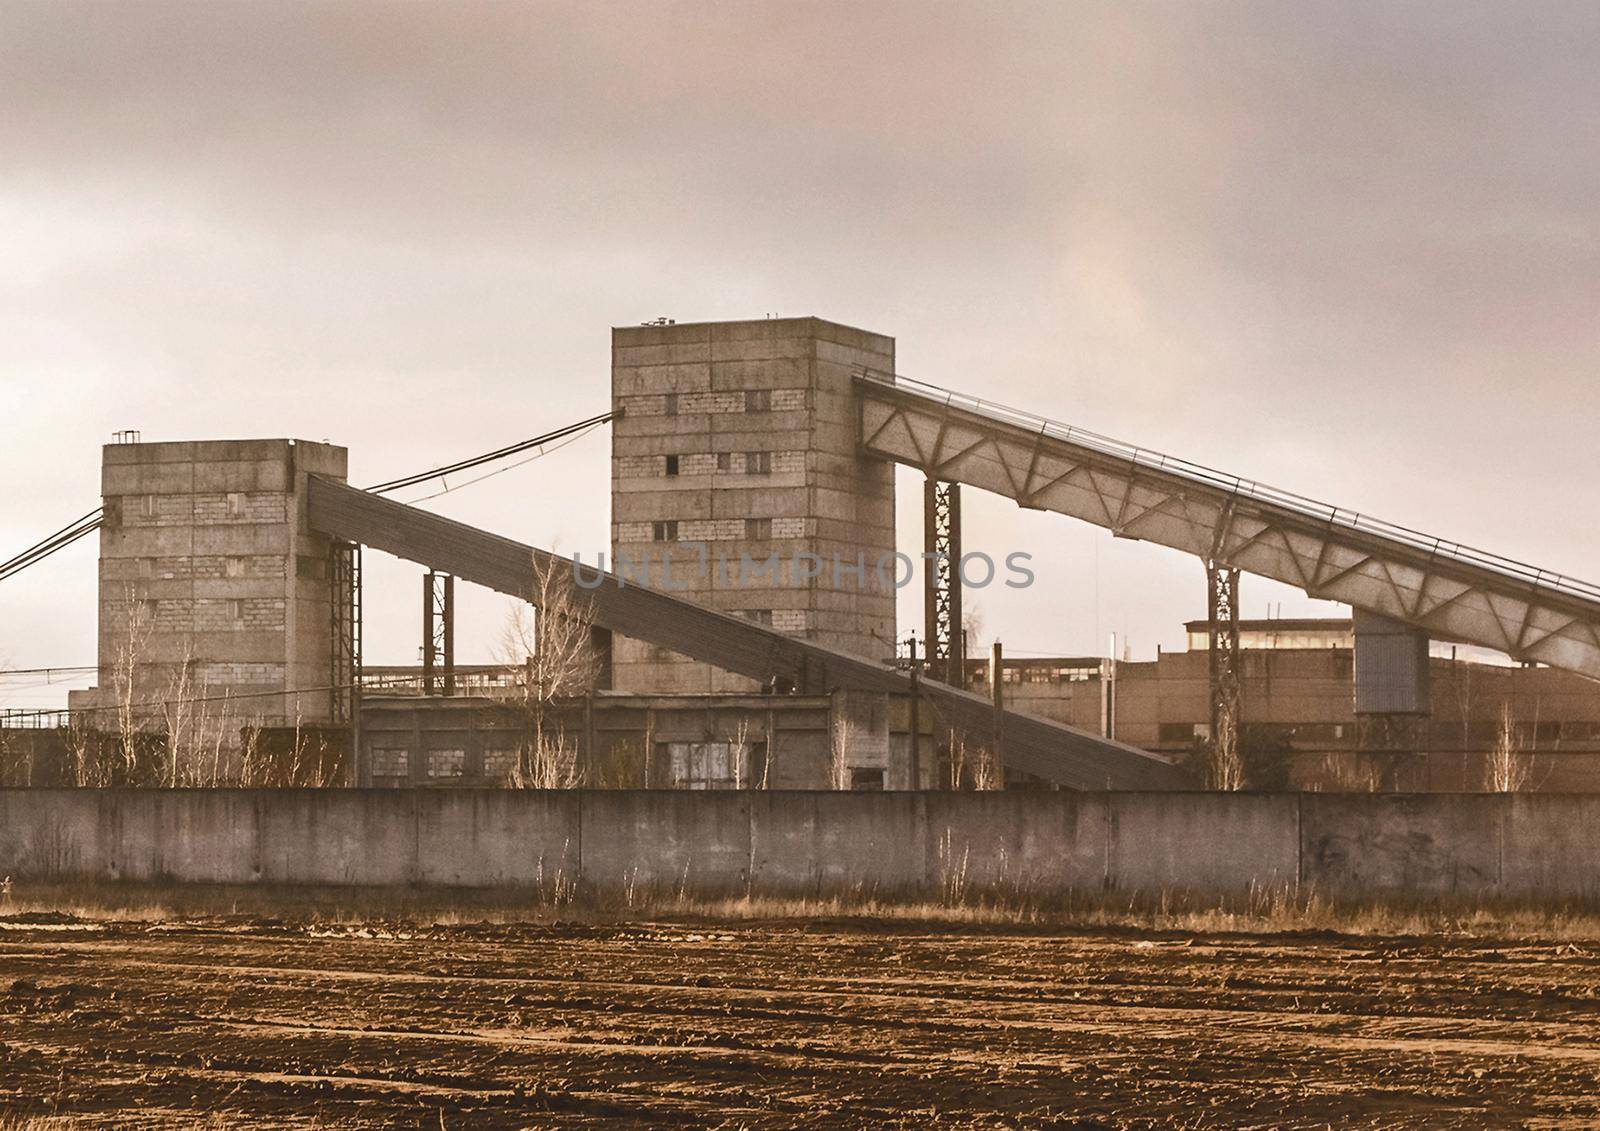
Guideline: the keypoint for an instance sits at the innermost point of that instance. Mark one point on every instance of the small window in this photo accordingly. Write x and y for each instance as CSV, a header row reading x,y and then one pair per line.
x,y
236,610
865,779
670,406
235,502
666,531
702,765
446,763
758,529
391,763
758,463
672,465
233,567
760,616
724,461
758,400
147,506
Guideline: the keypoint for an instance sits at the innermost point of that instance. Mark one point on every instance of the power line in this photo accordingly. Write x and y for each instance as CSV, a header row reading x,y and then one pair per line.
x,y
92,521
47,671
60,540
489,457
501,470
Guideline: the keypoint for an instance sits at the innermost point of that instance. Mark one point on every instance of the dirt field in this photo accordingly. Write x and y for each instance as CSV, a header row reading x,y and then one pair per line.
x,y
277,1024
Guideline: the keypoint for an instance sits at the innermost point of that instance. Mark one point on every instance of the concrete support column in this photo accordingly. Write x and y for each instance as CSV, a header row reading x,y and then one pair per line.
x,y
1393,690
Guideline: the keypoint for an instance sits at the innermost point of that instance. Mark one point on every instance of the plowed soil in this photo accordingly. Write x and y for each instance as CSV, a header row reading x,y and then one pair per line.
x,y
279,1024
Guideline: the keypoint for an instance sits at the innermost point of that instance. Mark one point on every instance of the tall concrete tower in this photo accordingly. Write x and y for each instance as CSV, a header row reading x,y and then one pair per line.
x,y
212,585
739,439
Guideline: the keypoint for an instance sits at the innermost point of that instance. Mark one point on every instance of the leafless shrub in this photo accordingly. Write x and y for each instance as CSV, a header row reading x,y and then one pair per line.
x,y
177,711
1508,766
841,739
1225,764
126,657
952,870
1350,771
545,761
547,650
958,759
739,751
620,767
987,773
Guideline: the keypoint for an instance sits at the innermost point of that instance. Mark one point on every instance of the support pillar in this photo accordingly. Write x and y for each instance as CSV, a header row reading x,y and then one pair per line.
x,y
916,717
1222,613
438,634
345,666
941,596
1393,693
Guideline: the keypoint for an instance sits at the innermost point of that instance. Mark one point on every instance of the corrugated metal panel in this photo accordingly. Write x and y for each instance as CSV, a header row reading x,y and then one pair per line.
x,y
1053,752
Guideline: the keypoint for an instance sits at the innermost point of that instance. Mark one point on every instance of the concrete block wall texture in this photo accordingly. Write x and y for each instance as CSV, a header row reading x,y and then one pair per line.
x,y
211,582
742,436
1529,847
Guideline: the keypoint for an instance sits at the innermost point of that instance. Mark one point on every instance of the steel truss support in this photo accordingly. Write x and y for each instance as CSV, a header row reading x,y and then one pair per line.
x,y
345,664
1434,586
941,594
1222,612
438,634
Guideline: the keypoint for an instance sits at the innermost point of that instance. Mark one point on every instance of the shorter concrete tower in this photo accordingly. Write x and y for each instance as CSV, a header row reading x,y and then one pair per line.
x,y
215,597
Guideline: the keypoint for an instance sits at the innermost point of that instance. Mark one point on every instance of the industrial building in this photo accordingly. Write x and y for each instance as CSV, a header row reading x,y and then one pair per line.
x,y
742,633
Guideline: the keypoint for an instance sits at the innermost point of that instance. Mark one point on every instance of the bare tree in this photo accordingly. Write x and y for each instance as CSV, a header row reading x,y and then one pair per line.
x,y
178,709
839,751
986,771
958,757
126,657
739,750
547,649
1508,767
1225,761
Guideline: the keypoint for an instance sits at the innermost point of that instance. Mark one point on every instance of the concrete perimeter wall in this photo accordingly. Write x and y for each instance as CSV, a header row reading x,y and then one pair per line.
x,y
1516,846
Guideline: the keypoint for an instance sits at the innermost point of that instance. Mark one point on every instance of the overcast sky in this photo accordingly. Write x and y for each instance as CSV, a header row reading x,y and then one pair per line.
x,y
1352,250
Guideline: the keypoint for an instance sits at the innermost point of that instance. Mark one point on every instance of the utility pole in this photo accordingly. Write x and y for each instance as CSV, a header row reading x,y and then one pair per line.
x,y
916,718
996,685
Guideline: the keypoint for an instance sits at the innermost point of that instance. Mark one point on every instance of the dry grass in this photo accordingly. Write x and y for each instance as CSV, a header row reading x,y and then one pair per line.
x,y
1261,912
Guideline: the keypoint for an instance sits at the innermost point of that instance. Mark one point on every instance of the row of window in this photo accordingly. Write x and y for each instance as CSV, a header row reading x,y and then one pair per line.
x,y
755,400
145,505
149,606
755,530
755,463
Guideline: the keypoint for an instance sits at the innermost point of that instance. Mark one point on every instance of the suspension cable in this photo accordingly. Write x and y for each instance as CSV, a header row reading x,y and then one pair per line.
x,y
92,521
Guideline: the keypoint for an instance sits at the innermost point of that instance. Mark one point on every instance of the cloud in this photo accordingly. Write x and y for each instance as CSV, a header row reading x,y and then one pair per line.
x,y
1349,248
